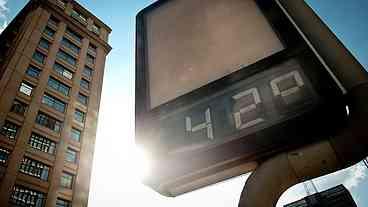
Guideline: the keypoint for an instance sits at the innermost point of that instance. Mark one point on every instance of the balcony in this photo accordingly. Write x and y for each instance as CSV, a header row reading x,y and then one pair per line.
x,y
79,17
61,4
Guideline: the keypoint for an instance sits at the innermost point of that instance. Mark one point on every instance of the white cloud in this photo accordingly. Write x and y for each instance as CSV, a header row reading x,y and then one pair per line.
x,y
350,177
3,14
3,8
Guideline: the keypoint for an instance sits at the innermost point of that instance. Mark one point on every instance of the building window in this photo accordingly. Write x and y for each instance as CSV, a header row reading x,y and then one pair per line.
x,y
77,37
63,71
66,57
48,122
9,130
68,44
61,3
19,107
44,44
25,197
58,86
66,180
4,155
34,168
39,57
49,32
79,116
75,135
90,59
54,21
82,99
84,84
92,49
26,88
63,203
79,17
95,29
42,143
87,71
32,71
71,155
54,103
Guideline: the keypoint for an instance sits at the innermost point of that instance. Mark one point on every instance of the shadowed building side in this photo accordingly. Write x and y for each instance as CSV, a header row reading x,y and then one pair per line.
x,y
52,63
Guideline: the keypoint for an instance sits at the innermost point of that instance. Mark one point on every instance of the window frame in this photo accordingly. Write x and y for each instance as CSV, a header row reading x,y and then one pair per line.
x,y
26,88
58,86
65,42
21,196
63,71
77,37
54,103
73,154
44,44
42,143
67,183
79,133
19,107
79,116
49,122
35,168
64,56
85,84
33,71
10,130
82,99
37,54
48,30
4,156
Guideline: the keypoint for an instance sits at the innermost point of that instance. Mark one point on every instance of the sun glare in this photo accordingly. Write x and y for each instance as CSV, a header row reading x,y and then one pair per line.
x,y
142,163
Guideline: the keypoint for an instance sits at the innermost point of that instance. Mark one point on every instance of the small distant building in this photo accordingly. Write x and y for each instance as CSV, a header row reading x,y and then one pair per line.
x,y
338,196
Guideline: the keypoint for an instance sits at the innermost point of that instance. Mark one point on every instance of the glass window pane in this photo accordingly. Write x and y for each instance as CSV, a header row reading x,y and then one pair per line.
x,y
4,155
82,99
63,203
25,197
49,32
63,71
79,116
58,86
87,72
90,59
68,44
66,180
42,143
26,88
54,103
84,84
33,71
66,57
71,155
74,35
19,107
39,57
9,130
44,44
75,134
34,168
48,122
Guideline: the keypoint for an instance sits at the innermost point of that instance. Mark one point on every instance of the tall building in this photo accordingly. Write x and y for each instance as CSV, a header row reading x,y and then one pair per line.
x,y
338,196
52,58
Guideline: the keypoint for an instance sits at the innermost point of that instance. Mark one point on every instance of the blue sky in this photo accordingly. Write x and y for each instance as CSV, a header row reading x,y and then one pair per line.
x,y
116,182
